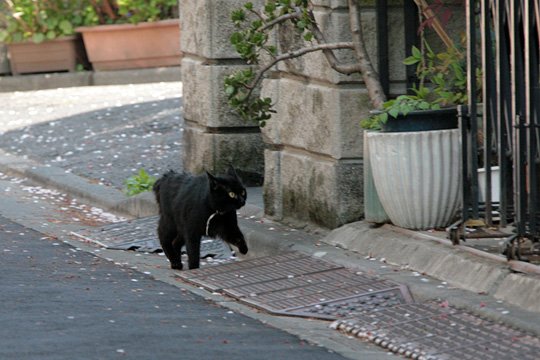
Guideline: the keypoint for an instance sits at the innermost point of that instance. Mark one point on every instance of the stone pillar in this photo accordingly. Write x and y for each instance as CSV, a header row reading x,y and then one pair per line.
x,y
214,136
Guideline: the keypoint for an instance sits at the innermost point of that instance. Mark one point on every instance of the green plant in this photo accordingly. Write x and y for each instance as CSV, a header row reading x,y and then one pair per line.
x,y
442,83
42,20
139,183
251,42
133,11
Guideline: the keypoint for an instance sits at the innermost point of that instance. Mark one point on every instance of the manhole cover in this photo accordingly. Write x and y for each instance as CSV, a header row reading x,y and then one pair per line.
x,y
298,285
429,331
141,235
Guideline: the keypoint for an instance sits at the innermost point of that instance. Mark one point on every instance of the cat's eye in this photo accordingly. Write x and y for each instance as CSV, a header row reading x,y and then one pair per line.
x,y
232,195
243,192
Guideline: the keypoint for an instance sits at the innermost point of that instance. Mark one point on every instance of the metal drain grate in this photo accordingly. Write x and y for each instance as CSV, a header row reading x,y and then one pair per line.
x,y
141,235
298,285
429,331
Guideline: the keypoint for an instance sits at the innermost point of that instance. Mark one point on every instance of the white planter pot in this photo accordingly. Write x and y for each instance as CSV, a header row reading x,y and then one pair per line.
x,y
417,176
495,184
373,209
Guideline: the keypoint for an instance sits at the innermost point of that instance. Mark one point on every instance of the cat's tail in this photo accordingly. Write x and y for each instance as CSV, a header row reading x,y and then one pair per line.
x,y
157,185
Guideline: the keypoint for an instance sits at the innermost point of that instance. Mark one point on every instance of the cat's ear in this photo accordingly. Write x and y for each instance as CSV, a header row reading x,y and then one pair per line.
x,y
212,180
232,172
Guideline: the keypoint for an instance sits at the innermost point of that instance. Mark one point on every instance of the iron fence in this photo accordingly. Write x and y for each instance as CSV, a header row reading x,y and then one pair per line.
x,y
501,129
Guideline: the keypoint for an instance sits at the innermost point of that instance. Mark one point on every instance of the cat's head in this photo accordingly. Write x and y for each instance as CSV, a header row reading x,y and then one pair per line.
x,y
227,191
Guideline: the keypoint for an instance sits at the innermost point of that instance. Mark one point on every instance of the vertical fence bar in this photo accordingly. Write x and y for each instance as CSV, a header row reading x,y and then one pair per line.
x,y
466,188
382,44
503,110
531,106
410,14
518,110
472,159
489,102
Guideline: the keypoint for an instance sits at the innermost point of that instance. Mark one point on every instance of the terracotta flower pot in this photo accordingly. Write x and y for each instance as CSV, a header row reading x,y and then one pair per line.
x,y
128,46
60,54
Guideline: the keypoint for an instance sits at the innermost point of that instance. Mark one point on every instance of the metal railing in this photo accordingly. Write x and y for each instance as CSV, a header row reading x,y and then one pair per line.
x,y
501,132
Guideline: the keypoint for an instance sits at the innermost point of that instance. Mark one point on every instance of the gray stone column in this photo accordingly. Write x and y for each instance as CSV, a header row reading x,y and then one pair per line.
x,y
214,136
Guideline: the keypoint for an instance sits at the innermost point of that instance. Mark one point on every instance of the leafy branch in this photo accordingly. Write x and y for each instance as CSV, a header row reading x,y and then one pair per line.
x,y
251,41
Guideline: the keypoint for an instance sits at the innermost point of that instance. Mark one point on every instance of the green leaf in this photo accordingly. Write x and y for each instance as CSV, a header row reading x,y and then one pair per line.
x,y
248,6
424,105
270,7
230,90
238,16
17,37
38,38
51,34
416,53
411,60
66,27
3,35
236,38
52,22
394,112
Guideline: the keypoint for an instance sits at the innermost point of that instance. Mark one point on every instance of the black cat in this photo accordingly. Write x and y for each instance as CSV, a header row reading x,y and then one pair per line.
x,y
192,206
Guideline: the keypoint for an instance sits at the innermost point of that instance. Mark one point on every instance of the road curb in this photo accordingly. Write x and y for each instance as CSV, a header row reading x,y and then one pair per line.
x,y
438,258
87,78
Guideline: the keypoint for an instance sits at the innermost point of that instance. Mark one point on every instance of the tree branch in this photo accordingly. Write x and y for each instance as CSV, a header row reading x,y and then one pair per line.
x,y
292,55
328,53
369,75
281,19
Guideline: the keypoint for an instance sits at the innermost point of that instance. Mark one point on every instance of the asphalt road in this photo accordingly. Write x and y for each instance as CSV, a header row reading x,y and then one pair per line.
x,y
104,133
62,303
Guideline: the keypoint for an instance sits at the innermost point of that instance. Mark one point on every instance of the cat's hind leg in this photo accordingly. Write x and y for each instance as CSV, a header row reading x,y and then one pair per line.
x,y
167,236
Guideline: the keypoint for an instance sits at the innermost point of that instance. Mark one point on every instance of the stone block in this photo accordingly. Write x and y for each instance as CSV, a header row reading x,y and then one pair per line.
x,y
310,189
317,118
205,101
335,26
272,184
215,151
206,27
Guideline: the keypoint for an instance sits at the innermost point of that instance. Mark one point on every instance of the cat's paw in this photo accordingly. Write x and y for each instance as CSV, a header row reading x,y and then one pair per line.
x,y
176,266
243,249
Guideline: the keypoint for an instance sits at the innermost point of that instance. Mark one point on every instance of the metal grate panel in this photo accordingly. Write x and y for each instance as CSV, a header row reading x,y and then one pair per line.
x,y
141,235
298,285
429,331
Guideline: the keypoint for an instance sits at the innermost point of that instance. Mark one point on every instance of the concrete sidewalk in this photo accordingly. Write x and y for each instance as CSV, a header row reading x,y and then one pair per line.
x,y
426,262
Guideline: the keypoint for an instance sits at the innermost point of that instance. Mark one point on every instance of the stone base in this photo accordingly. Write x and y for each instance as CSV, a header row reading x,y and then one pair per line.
x,y
302,187
214,151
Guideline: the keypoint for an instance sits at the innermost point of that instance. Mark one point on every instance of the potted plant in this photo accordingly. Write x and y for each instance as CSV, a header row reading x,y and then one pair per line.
x,y
40,36
131,34
415,155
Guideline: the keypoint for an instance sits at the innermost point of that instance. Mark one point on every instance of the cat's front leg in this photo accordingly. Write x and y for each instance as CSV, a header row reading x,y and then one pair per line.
x,y
235,237
193,249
